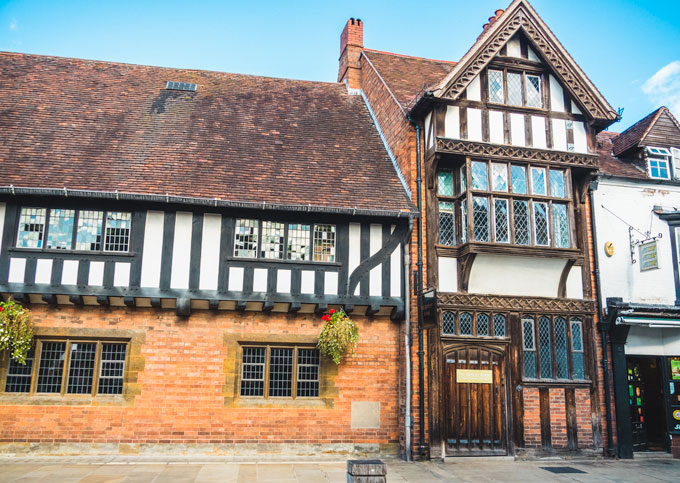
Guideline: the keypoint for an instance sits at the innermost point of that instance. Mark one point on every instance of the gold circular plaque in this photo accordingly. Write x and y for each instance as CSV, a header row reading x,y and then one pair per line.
x,y
609,248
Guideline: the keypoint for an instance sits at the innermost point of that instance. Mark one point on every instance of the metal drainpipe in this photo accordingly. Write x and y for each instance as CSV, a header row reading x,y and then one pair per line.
x,y
605,362
407,349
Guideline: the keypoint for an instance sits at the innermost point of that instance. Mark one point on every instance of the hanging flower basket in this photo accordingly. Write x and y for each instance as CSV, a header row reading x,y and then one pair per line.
x,y
339,336
16,330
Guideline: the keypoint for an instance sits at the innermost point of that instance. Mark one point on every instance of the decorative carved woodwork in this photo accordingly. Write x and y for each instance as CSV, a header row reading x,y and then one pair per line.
x,y
511,303
465,263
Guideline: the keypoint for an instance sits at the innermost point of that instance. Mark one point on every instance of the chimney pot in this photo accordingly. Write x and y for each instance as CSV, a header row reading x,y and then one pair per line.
x,y
499,12
351,45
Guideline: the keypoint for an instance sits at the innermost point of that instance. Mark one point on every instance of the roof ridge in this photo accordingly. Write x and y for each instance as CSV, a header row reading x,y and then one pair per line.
x,y
410,56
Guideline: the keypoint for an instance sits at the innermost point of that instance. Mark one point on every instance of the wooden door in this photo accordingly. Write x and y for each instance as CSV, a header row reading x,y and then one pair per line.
x,y
475,407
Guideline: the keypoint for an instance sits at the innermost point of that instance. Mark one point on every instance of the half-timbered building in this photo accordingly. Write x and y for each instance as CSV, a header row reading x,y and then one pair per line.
x,y
177,235
498,150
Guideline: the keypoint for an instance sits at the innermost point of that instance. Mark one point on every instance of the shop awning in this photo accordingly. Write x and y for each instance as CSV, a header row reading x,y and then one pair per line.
x,y
653,322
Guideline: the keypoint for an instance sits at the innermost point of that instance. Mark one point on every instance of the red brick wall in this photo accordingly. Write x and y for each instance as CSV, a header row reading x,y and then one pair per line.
x,y
558,418
532,418
182,400
584,419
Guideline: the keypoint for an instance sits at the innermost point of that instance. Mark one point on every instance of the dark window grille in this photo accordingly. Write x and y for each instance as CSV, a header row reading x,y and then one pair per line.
x,y
117,232
578,358
308,373
446,223
465,323
280,372
112,368
252,371
449,323
31,228
19,375
499,325
561,356
51,367
529,346
81,368
483,325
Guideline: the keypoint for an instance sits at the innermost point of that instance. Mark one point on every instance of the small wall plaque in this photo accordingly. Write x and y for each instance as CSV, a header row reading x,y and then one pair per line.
x,y
474,376
609,248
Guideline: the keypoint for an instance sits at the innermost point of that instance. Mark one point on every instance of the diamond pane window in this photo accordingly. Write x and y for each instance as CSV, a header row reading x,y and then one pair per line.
x,y
324,243
111,368
60,231
19,375
252,371
541,223
577,355
545,347
308,373
560,225
501,221
445,182
89,231
557,185
463,179
561,358
538,181
480,180
521,222
465,323
245,242
499,176
280,372
514,89
519,179
449,323
529,346
446,224
496,86
298,241
117,232
481,218
51,367
483,325
499,325
31,228
463,215
273,240
533,84
81,367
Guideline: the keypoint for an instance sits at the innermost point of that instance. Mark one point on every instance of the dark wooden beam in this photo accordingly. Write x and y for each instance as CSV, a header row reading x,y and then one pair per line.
x,y
294,307
213,304
20,297
373,309
321,308
348,308
183,307
241,305
397,314
103,300
49,298
268,306
155,302
76,299
129,301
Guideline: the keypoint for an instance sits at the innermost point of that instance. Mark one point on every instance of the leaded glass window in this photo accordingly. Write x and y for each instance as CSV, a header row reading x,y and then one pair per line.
x,y
19,375
51,367
560,225
60,229
519,179
308,373
483,325
538,186
557,184
514,89
298,241
541,223
112,368
533,91
273,240
553,348
89,232
117,231
529,346
280,372
324,243
521,222
446,223
577,355
268,372
499,325
81,367
246,235
463,179
465,323
31,227
252,371
463,215
561,357
545,347
501,221
499,176
480,180
496,93
481,218
448,323
445,182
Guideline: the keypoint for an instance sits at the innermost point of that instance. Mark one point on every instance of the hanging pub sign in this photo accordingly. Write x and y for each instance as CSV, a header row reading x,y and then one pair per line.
x,y
648,256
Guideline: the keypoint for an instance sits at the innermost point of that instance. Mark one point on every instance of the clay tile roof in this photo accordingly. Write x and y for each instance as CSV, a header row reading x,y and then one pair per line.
x,y
105,126
634,134
406,76
609,164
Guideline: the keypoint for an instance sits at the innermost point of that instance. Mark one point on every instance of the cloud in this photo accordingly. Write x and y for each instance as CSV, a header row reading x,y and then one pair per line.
x,y
663,88
13,25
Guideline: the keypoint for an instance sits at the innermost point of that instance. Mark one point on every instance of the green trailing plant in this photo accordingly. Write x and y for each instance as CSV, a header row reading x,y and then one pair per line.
x,y
16,330
339,336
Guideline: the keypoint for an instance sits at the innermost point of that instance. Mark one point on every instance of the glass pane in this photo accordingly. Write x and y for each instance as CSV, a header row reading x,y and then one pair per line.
x,y
561,359
538,181
31,228
521,222
308,373
89,236
577,355
280,372
298,241
112,369
117,232
51,366
448,323
81,368
496,86
500,211
530,364
19,375
273,239
480,180
514,89
560,226
545,347
60,232
528,334
252,371
245,238
534,98
658,168
541,223
445,182
463,179
576,335
499,329
324,243
499,176
579,365
465,323
519,179
463,214
557,187
483,325
481,218
446,224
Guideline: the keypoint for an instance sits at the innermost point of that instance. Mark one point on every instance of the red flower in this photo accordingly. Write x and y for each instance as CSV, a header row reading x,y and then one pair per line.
x,y
326,318
1,309
331,311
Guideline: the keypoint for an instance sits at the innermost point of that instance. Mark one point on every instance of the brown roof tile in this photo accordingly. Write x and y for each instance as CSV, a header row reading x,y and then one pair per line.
x,y
104,126
610,164
634,134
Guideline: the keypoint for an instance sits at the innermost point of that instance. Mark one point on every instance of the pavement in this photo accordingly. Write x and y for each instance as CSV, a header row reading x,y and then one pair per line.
x,y
212,470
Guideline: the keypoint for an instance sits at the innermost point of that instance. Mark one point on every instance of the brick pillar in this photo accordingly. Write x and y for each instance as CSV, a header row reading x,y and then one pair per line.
x,y
558,418
532,418
351,45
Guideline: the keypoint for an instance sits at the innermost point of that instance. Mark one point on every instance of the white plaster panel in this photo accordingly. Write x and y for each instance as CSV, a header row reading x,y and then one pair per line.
x,y
448,274
496,130
69,272
538,132
517,130
556,95
210,251
511,275
474,124
429,138
17,269
283,281
3,209
260,280
575,283
43,270
575,109
531,55
395,271
452,122
331,283
153,249
121,274
96,275
559,134
647,341
181,251
307,282
236,279
474,90
513,48
354,249
375,275
580,138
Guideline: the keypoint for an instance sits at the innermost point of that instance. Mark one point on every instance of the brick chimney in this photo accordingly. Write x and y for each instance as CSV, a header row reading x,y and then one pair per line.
x,y
351,45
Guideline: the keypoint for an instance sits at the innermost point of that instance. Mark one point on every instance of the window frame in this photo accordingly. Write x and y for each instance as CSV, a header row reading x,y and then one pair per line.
x,y
491,314
524,74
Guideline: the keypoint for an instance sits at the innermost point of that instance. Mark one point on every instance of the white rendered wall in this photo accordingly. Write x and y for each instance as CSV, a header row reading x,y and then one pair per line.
x,y
646,341
448,274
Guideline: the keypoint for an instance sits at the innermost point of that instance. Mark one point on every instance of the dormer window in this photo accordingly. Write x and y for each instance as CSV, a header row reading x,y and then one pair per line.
x,y
658,163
